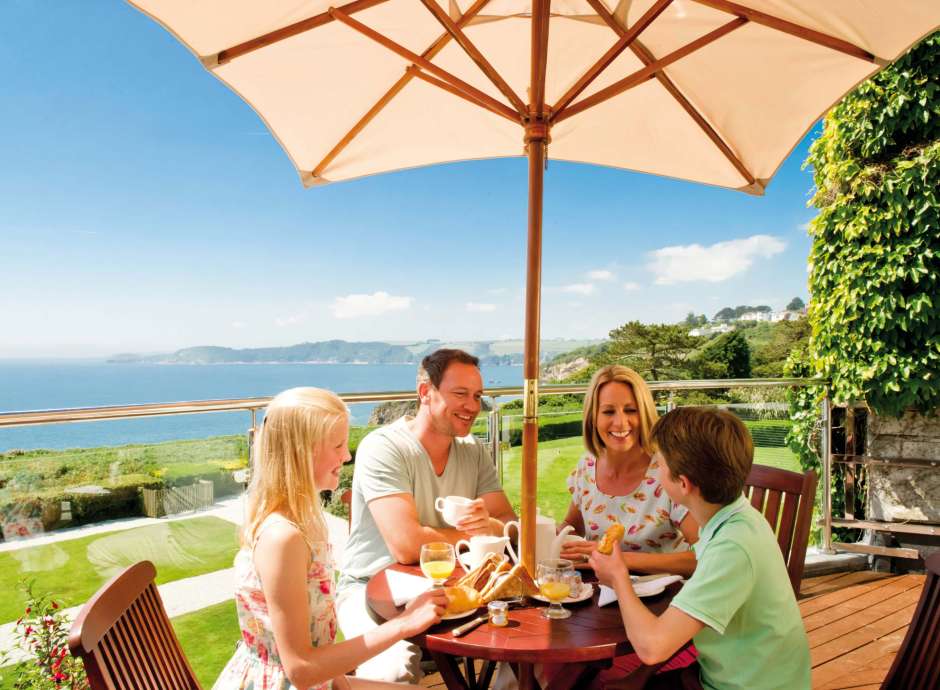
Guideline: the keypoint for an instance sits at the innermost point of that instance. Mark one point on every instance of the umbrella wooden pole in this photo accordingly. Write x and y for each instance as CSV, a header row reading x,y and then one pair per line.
x,y
536,141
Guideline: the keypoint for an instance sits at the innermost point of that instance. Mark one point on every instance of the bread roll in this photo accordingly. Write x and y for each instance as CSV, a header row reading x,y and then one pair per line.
x,y
461,598
613,534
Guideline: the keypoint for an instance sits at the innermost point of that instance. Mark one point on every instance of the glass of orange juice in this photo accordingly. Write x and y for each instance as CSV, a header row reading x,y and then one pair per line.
x,y
554,586
437,561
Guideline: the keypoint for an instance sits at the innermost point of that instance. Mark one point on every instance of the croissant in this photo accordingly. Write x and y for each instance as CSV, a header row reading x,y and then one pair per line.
x,y
613,534
461,598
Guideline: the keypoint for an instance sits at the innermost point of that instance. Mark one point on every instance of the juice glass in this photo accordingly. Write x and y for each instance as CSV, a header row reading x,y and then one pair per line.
x,y
550,575
437,561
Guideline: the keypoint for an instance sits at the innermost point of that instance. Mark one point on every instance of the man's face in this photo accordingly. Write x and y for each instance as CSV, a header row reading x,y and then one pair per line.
x,y
456,403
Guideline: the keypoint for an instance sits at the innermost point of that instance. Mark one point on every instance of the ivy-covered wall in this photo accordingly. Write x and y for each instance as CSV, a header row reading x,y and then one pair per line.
x,y
875,257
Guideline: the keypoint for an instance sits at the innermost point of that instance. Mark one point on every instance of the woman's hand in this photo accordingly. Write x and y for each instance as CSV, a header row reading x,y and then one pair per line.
x,y
477,519
610,570
423,611
578,550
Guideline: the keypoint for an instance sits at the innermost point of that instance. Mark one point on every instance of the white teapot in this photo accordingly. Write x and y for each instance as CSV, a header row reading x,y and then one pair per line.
x,y
547,542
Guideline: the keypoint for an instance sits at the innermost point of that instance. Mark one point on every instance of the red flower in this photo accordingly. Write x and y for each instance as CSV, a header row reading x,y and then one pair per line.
x,y
54,605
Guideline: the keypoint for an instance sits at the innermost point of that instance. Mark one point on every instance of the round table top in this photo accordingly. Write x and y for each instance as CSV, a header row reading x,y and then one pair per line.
x,y
590,634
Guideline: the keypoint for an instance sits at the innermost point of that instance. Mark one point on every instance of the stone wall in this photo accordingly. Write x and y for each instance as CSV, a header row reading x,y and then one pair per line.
x,y
904,493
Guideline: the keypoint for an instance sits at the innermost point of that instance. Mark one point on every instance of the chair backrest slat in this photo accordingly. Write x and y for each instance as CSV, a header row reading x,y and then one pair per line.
x,y
917,664
125,638
770,488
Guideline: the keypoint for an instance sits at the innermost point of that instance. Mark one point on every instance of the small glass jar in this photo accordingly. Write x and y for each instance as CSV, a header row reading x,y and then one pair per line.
x,y
498,612
573,579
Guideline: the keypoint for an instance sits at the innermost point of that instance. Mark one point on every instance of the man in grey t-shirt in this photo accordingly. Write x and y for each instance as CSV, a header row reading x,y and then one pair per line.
x,y
400,470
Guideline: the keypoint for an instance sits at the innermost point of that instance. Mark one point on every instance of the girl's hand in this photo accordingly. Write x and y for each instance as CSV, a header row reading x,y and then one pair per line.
x,y
423,611
610,570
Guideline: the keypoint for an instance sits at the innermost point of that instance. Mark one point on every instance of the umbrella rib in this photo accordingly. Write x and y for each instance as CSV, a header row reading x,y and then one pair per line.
x,y
272,37
791,28
396,88
649,71
471,92
474,53
424,76
626,38
647,58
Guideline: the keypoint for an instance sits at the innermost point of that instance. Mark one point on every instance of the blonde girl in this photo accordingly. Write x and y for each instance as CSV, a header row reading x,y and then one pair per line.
x,y
284,570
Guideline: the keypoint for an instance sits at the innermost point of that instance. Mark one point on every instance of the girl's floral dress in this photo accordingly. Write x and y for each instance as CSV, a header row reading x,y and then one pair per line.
x,y
651,520
256,664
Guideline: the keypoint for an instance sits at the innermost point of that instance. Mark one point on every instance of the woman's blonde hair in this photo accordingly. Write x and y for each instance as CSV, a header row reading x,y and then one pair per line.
x,y
644,402
296,425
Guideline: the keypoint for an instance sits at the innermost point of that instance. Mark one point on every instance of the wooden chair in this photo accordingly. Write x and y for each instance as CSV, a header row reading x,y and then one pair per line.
x,y
786,499
124,637
917,664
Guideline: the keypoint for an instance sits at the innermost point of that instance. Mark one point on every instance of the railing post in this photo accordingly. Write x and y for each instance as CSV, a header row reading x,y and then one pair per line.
x,y
825,448
495,435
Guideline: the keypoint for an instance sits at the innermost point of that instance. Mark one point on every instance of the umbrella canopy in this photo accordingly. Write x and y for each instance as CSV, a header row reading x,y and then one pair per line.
x,y
705,90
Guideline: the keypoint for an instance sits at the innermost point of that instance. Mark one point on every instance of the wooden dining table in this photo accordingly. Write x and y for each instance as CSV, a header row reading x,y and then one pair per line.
x,y
583,644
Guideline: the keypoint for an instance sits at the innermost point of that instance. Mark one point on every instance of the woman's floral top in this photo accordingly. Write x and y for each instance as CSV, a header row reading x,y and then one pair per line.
x,y
650,518
256,664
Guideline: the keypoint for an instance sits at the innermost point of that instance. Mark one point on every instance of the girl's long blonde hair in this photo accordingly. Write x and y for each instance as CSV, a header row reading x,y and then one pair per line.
x,y
296,425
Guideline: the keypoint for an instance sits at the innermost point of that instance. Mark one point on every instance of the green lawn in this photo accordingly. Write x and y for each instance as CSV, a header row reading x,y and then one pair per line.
x,y
557,459
208,637
73,570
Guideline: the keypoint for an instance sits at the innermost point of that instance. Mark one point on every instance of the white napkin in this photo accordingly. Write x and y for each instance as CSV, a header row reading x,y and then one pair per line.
x,y
643,588
404,587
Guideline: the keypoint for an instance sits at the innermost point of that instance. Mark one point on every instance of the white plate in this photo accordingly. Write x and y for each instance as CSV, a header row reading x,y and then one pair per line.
x,y
641,592
587,591
455,616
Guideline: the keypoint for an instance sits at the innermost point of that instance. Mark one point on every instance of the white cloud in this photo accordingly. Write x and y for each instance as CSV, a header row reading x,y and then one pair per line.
x,y
355,306
291,320
712,264
480,307
631,286
239,324
600,274
579,288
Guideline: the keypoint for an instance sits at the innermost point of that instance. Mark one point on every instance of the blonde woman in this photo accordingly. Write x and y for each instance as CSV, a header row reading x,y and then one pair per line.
x,y
616,481
284,570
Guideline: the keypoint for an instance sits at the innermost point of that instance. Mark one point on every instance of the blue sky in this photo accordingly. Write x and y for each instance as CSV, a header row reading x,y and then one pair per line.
x,y
144,207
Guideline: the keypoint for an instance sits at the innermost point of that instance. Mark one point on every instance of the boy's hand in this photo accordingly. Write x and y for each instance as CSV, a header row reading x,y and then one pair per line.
x,y
610,570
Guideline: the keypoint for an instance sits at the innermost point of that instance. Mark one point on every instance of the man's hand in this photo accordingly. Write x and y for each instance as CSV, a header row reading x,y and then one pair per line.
x,y
610,570
477,520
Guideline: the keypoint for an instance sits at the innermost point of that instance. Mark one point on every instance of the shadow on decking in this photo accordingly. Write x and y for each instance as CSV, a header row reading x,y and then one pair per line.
x,y
855,623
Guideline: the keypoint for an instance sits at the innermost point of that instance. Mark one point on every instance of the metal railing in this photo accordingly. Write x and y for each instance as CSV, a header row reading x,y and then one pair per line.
x,y
494,425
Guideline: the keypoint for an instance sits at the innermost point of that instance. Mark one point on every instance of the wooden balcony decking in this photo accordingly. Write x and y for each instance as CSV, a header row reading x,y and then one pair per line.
x,y
855,623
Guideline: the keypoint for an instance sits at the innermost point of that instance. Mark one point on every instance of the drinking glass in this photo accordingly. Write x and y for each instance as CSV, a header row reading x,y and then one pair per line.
x,y
437,561
551,578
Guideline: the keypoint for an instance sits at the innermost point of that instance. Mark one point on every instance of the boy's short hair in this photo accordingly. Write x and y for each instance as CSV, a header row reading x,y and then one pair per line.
x,y
435,364
711,447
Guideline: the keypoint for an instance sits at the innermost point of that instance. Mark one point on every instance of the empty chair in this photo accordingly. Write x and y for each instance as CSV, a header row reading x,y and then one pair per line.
x,y
125,639
786,499
917,664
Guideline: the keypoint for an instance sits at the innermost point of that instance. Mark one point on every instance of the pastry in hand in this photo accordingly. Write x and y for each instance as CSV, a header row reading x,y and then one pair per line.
x,y
613,534
461,599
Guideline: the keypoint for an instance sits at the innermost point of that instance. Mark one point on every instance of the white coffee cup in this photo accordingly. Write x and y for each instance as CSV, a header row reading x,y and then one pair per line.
x,y
478,547
453,508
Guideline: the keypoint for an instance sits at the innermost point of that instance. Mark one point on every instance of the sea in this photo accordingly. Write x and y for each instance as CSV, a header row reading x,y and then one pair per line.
x,y
57,384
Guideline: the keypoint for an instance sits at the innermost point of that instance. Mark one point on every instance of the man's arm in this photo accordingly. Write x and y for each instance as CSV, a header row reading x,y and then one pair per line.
x,y
499,510
396,516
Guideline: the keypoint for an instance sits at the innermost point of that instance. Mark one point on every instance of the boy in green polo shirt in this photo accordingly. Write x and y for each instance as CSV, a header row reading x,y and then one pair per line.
x,y
738,606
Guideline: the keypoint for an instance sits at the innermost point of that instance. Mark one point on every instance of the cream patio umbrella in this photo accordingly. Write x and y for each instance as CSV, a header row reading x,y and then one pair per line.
x,y
705,90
